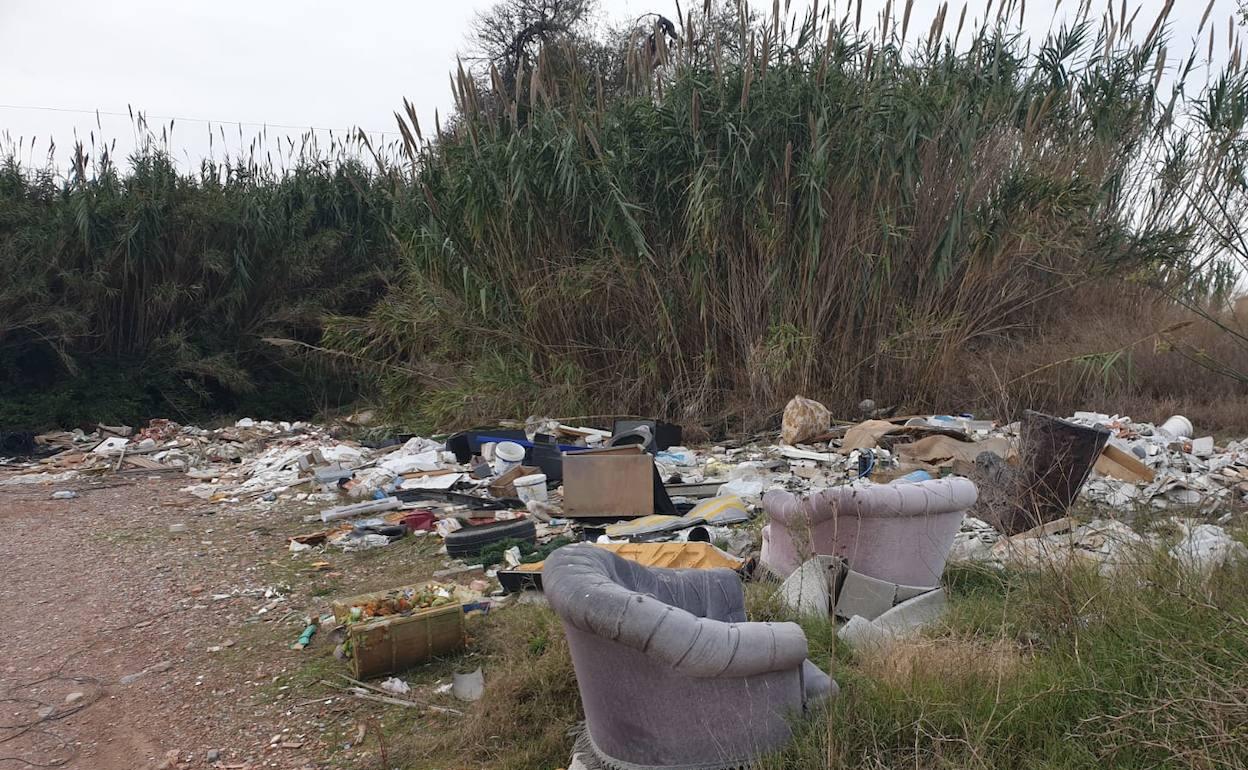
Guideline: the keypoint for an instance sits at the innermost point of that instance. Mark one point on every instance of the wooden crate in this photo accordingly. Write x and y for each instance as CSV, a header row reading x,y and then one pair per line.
x,y
388,645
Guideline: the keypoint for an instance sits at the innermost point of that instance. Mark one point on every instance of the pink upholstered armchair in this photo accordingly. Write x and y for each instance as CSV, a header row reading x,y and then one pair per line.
x,y
898,533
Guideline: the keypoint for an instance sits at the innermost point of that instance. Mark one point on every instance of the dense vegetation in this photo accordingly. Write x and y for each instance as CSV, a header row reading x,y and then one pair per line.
x,y
144,292
695,219
750,210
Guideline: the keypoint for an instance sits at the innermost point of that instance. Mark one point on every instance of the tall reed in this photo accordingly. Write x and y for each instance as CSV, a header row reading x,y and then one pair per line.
x,y
800,204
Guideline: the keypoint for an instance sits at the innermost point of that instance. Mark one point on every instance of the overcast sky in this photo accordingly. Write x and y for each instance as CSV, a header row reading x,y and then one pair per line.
x,y
295,64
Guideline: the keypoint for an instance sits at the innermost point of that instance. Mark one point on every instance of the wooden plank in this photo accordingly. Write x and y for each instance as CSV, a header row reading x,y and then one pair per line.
x,y
1123,466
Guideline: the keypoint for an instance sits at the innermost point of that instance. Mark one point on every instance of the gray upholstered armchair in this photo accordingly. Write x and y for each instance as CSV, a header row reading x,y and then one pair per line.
x,y
671,675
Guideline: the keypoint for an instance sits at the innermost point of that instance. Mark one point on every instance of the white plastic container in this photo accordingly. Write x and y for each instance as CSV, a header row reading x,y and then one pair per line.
x,y
532,489
507,455
1177,426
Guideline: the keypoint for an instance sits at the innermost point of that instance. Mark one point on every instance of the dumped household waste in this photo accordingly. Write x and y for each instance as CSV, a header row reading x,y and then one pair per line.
x,y
669,555
1108,545
685,643
499,499
469,686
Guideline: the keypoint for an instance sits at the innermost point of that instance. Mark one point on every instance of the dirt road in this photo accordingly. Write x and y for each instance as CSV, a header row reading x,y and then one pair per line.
x,y
126,645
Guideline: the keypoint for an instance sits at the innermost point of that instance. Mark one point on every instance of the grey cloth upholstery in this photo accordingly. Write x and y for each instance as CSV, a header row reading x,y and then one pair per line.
x,y
670,672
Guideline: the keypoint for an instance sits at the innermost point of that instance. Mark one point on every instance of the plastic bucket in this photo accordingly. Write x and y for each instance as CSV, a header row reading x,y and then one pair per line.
x,y
1177,426
532,489
507,455
913,477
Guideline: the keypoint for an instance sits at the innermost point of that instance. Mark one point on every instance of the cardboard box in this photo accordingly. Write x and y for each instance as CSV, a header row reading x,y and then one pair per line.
x,y
504,486
613,483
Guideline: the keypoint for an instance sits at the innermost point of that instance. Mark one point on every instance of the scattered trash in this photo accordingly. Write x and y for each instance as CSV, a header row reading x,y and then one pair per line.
x,y
905,619
390,631
809,590
359,509
669,555
468,687
507,455
112,445
468,541
1205,547
305,638
396,686
1177,426
504,497
608,483
532,488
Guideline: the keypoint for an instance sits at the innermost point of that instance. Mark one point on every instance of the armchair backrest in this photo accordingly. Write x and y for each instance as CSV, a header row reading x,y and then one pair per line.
x,y
691,620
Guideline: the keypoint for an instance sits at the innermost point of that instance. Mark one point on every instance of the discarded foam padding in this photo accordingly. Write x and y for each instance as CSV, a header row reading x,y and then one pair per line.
x,y
668,555
906,619
811,587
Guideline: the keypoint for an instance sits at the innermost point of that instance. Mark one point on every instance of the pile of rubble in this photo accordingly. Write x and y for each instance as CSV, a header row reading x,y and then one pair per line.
x,y
1108,545
367,495
1164,467
501,499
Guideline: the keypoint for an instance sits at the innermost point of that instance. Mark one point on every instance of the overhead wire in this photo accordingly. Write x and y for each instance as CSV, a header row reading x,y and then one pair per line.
x,y
149,116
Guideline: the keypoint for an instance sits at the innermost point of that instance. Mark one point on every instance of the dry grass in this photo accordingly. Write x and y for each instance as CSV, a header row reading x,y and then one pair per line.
x,y
961,661
531,700
1107,355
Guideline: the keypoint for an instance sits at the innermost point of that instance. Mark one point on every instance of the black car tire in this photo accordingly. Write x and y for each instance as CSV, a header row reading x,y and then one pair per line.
x,y
470,540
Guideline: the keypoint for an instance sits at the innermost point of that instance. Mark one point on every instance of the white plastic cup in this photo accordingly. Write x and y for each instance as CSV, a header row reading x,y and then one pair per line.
x,y
507,455
532,489
487,451
1177,426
